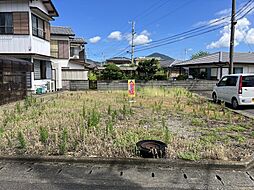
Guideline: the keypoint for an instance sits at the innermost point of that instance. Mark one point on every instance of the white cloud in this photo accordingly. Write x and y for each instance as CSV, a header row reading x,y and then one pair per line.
x,y
242,29
95,39
116,35
218,21
250,36
139,39
224,12
213,22
145,32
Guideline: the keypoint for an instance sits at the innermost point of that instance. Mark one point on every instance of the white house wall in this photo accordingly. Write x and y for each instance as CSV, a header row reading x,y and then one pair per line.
x,y
246,68
20,44
39,5
74,75
40,46
61,62
57,64
75,66
14,5
15,44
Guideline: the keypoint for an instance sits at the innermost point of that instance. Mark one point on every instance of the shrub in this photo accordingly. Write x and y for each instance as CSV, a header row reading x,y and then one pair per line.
x,y
22,140
189,156
182,77
63,144
1,132
44,135
92,76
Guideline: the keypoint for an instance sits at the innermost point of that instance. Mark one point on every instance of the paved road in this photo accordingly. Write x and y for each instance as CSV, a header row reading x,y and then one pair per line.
x,y
246,109
31,176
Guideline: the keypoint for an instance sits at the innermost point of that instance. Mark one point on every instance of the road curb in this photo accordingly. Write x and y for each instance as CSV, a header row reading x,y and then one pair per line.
x,y
206,164
242,113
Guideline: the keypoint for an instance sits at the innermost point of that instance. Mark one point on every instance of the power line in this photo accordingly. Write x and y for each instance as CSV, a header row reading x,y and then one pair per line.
x,y
180,39
196,31
246,6
201,28
156,5
246,13
122,51
212,24
185,35
169,13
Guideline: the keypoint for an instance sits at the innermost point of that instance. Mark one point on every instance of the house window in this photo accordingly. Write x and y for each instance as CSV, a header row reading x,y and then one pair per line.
x,y
54,48
42,70
6,23
238,70
38,27
74,52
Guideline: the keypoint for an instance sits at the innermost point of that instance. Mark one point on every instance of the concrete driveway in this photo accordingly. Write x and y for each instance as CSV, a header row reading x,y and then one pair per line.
x,y
55,176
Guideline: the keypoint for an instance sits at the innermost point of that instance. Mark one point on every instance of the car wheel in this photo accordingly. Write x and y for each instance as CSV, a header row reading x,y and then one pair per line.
x,y
215,99
234,103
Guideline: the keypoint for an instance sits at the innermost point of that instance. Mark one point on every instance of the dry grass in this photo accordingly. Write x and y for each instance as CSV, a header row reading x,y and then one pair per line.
x,y
105,124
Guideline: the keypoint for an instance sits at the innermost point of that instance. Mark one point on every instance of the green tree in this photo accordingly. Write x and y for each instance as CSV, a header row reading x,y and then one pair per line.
x,y
92,76
112,72
199,54
147,69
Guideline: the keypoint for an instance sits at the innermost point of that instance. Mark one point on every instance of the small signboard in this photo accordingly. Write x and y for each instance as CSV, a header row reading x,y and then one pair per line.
x,y
131,88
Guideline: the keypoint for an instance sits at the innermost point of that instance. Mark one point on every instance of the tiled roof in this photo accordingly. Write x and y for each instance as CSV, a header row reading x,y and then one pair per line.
x,y
50,7
166,63
119,59
219,57
61,30
78,40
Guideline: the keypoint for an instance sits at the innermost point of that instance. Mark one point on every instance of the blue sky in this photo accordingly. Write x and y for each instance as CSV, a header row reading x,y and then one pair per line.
x,y
105,25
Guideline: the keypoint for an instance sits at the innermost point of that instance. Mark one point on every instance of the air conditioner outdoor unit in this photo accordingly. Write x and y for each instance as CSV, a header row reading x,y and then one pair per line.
x,y
51,86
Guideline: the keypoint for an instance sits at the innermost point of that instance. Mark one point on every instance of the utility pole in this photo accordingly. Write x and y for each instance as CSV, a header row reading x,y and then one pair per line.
x,y
103,59
185,54
132,41
232,38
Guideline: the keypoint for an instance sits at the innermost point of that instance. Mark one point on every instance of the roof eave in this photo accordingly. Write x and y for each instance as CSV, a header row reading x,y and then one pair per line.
x,y
53,13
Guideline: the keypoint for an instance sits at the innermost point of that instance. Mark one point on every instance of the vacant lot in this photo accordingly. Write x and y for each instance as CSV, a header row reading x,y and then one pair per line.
x,y
105,124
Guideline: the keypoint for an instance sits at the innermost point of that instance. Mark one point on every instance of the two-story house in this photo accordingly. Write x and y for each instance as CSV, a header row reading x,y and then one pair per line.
x,y
68,56
25,34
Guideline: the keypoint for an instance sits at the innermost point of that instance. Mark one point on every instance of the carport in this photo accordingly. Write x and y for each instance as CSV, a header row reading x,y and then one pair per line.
x,y
15,78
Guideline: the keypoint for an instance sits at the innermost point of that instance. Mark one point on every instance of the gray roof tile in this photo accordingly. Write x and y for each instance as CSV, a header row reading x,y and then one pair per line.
x,y
61,30
78,40
219,57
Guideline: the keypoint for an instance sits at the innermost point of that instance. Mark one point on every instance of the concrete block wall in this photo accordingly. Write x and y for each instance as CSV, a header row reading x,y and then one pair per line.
x,y
79,85
194,85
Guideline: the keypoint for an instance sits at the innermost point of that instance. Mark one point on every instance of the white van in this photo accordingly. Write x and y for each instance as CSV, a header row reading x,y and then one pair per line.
x,y
236,89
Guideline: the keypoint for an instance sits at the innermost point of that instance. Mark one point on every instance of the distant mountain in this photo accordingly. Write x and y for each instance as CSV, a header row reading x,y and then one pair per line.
x,y
93,62
162,56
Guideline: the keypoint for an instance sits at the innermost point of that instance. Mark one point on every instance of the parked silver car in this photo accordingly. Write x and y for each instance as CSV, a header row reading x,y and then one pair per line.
x,y
236,89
